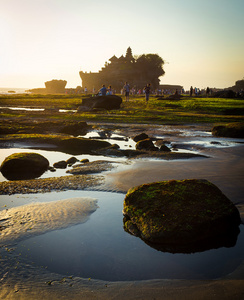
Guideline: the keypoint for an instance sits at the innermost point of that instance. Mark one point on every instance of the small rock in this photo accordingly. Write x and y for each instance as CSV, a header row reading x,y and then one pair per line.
x,y
60,164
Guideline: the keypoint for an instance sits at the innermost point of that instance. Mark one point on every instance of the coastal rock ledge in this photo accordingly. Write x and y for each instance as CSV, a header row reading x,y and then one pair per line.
x,y
180,213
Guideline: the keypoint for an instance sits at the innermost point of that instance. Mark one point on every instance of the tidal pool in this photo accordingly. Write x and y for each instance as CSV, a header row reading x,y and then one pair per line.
x,y
101,249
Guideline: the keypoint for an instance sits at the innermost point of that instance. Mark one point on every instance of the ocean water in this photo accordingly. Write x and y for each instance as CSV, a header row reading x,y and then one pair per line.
x,y
11,91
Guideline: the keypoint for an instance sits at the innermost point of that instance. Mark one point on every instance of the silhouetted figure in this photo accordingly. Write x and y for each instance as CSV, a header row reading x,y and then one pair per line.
x,y
147,90
103,90
191,91
110,91
207,91
127,91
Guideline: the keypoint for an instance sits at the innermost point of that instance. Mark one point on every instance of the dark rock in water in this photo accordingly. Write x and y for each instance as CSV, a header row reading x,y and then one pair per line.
x,y
181,215
84,161
19,166
72,160
140,137
79,128
235,130
164,148
101,102
146,144
60,164
51,169
76,146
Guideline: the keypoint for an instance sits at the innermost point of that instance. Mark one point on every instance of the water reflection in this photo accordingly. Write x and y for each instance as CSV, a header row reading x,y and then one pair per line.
x,y
227,240
101,249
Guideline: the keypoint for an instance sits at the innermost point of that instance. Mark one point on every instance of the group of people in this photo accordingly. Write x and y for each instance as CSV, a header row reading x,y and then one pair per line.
x,y
126,89
147,91
106,91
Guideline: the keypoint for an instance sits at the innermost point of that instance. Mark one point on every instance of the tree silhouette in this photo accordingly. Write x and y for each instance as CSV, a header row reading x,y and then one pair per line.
x,y
150,66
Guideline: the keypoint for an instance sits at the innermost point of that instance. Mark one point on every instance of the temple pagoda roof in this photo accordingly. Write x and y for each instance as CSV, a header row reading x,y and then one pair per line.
x,y
113,58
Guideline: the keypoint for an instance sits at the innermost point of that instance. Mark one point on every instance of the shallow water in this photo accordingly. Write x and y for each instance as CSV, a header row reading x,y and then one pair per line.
x,y
101,249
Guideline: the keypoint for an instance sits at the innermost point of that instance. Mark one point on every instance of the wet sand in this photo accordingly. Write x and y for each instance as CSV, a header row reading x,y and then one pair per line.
x,y
24,221
224,168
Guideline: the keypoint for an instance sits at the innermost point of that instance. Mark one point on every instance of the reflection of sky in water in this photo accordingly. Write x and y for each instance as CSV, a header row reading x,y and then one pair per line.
x,y
113,139
24,108
55,156
101,249
177,143
182,141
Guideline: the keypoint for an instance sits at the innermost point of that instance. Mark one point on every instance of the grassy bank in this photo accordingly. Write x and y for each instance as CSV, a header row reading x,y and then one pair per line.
x,y
166,111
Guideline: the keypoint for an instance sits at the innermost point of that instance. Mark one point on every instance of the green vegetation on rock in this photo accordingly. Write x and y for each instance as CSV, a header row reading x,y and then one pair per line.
x,y
24,166
179,211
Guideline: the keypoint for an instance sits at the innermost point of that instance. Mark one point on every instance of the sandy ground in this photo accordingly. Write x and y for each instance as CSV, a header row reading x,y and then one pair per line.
x,y
27,282
33,219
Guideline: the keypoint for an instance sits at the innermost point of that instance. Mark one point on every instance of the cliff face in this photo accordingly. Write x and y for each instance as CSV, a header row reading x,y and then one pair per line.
x,y
55,86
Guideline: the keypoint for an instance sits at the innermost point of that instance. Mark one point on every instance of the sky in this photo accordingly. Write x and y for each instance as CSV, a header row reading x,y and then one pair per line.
x,y
200,41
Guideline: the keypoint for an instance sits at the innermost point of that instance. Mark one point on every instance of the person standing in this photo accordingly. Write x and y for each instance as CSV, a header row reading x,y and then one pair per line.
x,y
127,91
147,90
110,91
103,90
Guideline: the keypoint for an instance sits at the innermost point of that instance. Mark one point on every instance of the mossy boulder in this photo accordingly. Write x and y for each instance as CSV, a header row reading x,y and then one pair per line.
x,y
234,130
19,166
179,212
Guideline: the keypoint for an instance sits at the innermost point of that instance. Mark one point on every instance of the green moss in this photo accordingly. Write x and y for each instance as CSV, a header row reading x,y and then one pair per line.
x,y
176,205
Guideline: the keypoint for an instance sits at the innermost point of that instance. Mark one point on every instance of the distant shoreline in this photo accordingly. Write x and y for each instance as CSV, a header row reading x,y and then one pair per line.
x,y
10,91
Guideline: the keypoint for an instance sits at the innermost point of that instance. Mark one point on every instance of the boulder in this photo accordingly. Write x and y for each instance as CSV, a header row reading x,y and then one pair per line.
x,y
62,164
19,166
72,160
164,148
140,137
84,160
180,213
146,144
234,130
79,128
108,102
